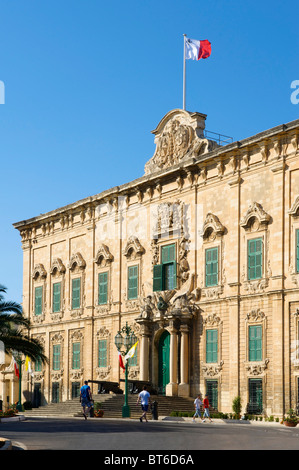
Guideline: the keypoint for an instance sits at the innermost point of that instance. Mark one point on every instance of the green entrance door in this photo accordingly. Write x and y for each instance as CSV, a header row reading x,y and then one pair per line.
x,y
164,347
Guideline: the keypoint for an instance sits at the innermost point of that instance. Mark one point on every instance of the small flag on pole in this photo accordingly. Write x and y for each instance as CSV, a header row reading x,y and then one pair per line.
x,y
28,366
2,353
121,364
16,367
197,50
131,351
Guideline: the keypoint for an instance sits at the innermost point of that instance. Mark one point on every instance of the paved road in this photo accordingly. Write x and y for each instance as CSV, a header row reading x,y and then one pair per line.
x,y
113,435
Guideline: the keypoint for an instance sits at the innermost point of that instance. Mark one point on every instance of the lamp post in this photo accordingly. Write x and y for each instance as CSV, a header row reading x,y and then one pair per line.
x,y
124,340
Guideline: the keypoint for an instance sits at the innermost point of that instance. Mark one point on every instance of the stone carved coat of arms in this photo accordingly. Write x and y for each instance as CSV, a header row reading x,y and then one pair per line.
x,y
178,136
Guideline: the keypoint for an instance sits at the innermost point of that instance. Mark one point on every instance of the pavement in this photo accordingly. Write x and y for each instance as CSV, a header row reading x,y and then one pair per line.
x,y
173,419
162,419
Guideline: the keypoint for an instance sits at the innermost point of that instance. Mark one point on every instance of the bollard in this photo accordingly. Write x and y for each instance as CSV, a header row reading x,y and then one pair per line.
x,y
154,409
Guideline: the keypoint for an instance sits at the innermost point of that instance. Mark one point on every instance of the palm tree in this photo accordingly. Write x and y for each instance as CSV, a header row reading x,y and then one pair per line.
x,y
14,330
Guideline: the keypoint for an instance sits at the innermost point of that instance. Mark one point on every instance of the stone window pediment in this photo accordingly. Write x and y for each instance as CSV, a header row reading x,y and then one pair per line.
x,y
57,267
39,272
212,227
103,255
133,247
256,217
77,261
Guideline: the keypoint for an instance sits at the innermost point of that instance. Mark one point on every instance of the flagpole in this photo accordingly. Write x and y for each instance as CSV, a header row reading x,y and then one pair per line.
x,y
184,75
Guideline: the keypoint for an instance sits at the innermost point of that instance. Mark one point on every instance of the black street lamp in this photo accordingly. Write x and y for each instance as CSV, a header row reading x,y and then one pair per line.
x,y
124,340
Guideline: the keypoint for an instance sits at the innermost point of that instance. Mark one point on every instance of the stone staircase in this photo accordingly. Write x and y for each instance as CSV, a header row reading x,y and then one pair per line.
x,y
112,406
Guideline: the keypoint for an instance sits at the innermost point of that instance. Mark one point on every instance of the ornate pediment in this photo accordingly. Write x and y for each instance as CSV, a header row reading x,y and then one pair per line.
x,y
39,271
103,253
212,226
133,247
77,261
179,136
57,266
255,215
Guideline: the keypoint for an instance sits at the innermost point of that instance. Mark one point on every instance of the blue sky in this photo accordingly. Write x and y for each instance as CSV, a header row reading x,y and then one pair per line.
x,y
87,81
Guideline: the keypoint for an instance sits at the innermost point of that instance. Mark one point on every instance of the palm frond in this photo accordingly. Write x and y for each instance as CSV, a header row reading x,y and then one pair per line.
x,y
12,333
10,306
30,347
13,318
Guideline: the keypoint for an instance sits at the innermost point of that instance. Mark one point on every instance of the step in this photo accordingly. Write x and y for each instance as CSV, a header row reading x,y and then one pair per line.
x,y
112,406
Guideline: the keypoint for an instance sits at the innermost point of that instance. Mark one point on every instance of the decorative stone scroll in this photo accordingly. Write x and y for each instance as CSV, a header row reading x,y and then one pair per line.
x,y
179,136
258,368
212,370
255,315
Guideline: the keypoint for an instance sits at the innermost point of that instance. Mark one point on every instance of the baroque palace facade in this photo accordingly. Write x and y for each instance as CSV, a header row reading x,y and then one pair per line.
x,y
199,256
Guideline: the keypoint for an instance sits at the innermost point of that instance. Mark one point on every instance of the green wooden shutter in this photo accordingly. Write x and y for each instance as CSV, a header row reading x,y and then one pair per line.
x,y
169,276
212,267
158,278
168,258
38,365
76,293
56,357
56,297
38,304
103,288
255,258
168,253
76,355
255,343
132,282
297,251
102,353
212,346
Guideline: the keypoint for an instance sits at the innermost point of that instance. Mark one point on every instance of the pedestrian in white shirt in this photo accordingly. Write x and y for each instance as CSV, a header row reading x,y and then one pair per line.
x,y
145,399
197,405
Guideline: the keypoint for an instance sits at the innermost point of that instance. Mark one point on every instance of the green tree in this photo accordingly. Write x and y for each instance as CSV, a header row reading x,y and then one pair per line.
x,y
237,406
14,330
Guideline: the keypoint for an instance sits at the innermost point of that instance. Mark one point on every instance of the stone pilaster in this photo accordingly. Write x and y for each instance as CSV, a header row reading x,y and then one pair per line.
x,y
172,387
184,386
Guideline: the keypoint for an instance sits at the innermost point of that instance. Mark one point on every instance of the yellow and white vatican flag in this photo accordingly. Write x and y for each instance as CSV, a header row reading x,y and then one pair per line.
x,y
131,351
28,366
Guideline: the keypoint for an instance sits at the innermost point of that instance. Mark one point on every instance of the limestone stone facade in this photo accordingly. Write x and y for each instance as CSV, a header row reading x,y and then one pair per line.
x,y
199,256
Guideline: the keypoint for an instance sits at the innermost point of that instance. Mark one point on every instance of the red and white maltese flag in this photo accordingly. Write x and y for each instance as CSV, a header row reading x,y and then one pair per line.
x,y
196,50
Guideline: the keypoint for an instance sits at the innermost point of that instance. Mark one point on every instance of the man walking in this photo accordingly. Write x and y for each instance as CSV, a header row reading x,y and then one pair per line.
x,y
206,406
85,398
197,405
145,399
